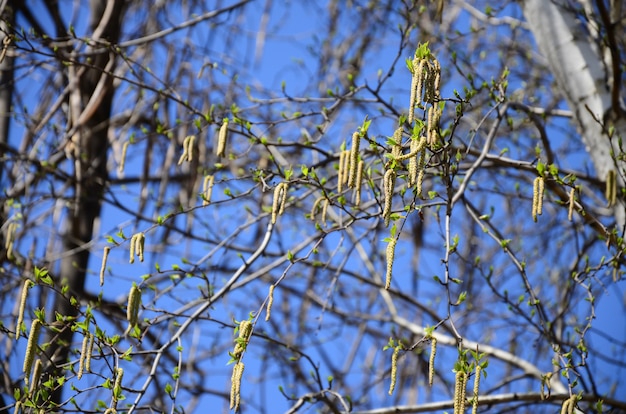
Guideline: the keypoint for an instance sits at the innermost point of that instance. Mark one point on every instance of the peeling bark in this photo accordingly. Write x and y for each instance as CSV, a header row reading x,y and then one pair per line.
x,y
582,75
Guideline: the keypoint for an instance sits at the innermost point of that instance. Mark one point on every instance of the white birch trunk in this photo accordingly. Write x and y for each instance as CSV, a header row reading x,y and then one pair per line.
x,y
581,75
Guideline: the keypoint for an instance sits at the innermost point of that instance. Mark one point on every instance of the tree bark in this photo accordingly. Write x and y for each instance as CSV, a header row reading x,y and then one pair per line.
x,y
582,75
7,20
90,143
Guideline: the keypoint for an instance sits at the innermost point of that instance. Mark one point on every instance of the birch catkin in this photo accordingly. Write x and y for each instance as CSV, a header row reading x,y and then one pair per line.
x,y
20,315
354,159
270,302
188,145
390,253
389,182
10,236
394,368
31,348
132,310
235,390
538,188
359,180
280,198
572,201
220,149
431,361
207,189
476,386
611,188
34,382
83,356
136,247
105,256
120,168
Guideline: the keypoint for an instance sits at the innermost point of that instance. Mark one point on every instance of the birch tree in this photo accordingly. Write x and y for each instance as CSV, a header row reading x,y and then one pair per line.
x,y
368,207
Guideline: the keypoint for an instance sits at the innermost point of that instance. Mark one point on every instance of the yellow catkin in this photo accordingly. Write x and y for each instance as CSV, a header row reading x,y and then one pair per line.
x,y
207,189
359,180
417,82
346,167
569,405
571,202
394,368
389,181
141,238
463,390
188,144
245,330
538,186
89,352
18,407
31,348
105,256
220,150
132,310
316,205
431,361
396,147
120,168
437,81
476,386
34,382
431,126
117,385
413,96
354,159
390,253
10,236
325,211
110,410
341,171
132,249
20,315
270,302
235,390
611,188
458,384
83,356
280,198
136,247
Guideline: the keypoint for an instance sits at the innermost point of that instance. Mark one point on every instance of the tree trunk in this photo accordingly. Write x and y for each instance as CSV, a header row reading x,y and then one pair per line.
x,y
90,146
6,97
583,76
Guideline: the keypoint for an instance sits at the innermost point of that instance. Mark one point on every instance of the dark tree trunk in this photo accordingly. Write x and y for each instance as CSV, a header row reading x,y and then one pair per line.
x,y
91,148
